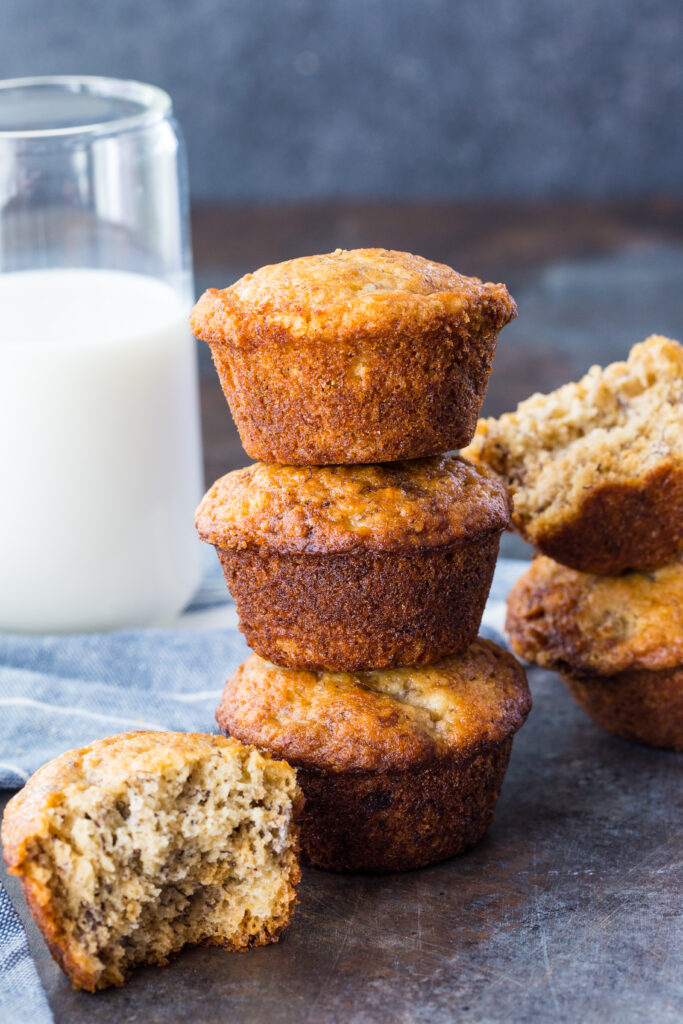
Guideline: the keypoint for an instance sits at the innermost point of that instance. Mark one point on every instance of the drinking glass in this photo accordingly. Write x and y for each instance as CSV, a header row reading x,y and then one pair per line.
x,y
100,457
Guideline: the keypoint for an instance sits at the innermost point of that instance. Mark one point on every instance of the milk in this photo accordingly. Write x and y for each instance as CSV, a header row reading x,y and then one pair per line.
x,y
99,451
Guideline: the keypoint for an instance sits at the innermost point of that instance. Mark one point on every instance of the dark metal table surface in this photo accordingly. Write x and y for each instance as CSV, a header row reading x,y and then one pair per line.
x,y
569,910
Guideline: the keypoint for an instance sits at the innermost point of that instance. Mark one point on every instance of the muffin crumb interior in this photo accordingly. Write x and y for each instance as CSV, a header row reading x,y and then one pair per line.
x,y
187,855
615,424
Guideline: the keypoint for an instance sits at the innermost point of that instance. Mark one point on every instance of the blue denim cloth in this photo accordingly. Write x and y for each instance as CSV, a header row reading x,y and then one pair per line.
x,y
22,998
60,692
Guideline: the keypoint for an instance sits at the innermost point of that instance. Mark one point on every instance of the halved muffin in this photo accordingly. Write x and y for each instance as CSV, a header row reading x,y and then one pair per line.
x,y
596,468
617,642
400,767
352,567
354,356
140,844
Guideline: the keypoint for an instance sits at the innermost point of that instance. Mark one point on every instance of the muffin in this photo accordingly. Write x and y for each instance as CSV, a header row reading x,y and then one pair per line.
x,y
355,356
353,567
596,468
617,642
400,767
140,844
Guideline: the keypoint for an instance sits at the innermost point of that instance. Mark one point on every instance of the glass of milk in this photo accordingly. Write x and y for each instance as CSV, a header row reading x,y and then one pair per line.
x,y
100,457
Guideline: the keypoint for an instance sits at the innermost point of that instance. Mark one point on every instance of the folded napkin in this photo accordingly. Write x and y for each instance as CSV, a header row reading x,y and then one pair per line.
x,y
59,692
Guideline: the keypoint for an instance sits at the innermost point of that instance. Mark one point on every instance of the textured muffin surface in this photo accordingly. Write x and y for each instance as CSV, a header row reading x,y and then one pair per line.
x,y
344,292
409,607
423,503
382,720
142,843
563,619
596,467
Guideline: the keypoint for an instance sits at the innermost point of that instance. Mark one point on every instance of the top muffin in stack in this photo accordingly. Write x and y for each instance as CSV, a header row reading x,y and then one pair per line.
x,y
355,356
596,473
343,559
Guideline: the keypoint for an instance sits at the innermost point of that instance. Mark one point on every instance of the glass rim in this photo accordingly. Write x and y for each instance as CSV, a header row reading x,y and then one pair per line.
x,y
154,102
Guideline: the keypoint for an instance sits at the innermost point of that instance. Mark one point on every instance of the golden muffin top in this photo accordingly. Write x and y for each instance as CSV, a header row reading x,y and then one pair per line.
x,y
316,509
563,619
105,767
345,292
387,719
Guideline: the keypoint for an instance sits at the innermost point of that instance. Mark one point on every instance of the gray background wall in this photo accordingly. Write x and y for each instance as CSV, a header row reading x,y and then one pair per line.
x,y
389,98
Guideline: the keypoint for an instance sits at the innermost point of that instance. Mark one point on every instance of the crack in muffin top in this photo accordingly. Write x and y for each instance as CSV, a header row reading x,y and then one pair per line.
x,y
421,503
390,719
347,292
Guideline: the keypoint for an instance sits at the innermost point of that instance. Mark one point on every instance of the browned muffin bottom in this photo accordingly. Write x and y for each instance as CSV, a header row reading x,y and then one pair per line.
x,y
353,567
366,609
617,642
640,705
354,356
596,467
399,767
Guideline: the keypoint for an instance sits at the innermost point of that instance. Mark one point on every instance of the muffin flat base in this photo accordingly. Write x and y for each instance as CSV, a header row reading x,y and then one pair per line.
x,y
358,401
640,705
400,820
618,526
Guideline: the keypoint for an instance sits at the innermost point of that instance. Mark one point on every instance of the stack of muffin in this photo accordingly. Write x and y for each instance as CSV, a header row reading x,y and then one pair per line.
x,y
596,473
362,579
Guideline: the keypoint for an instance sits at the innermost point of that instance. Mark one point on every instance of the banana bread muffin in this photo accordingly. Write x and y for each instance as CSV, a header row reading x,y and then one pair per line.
x,y
355,356
617,642
596,468
351,567
140,844
400,767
